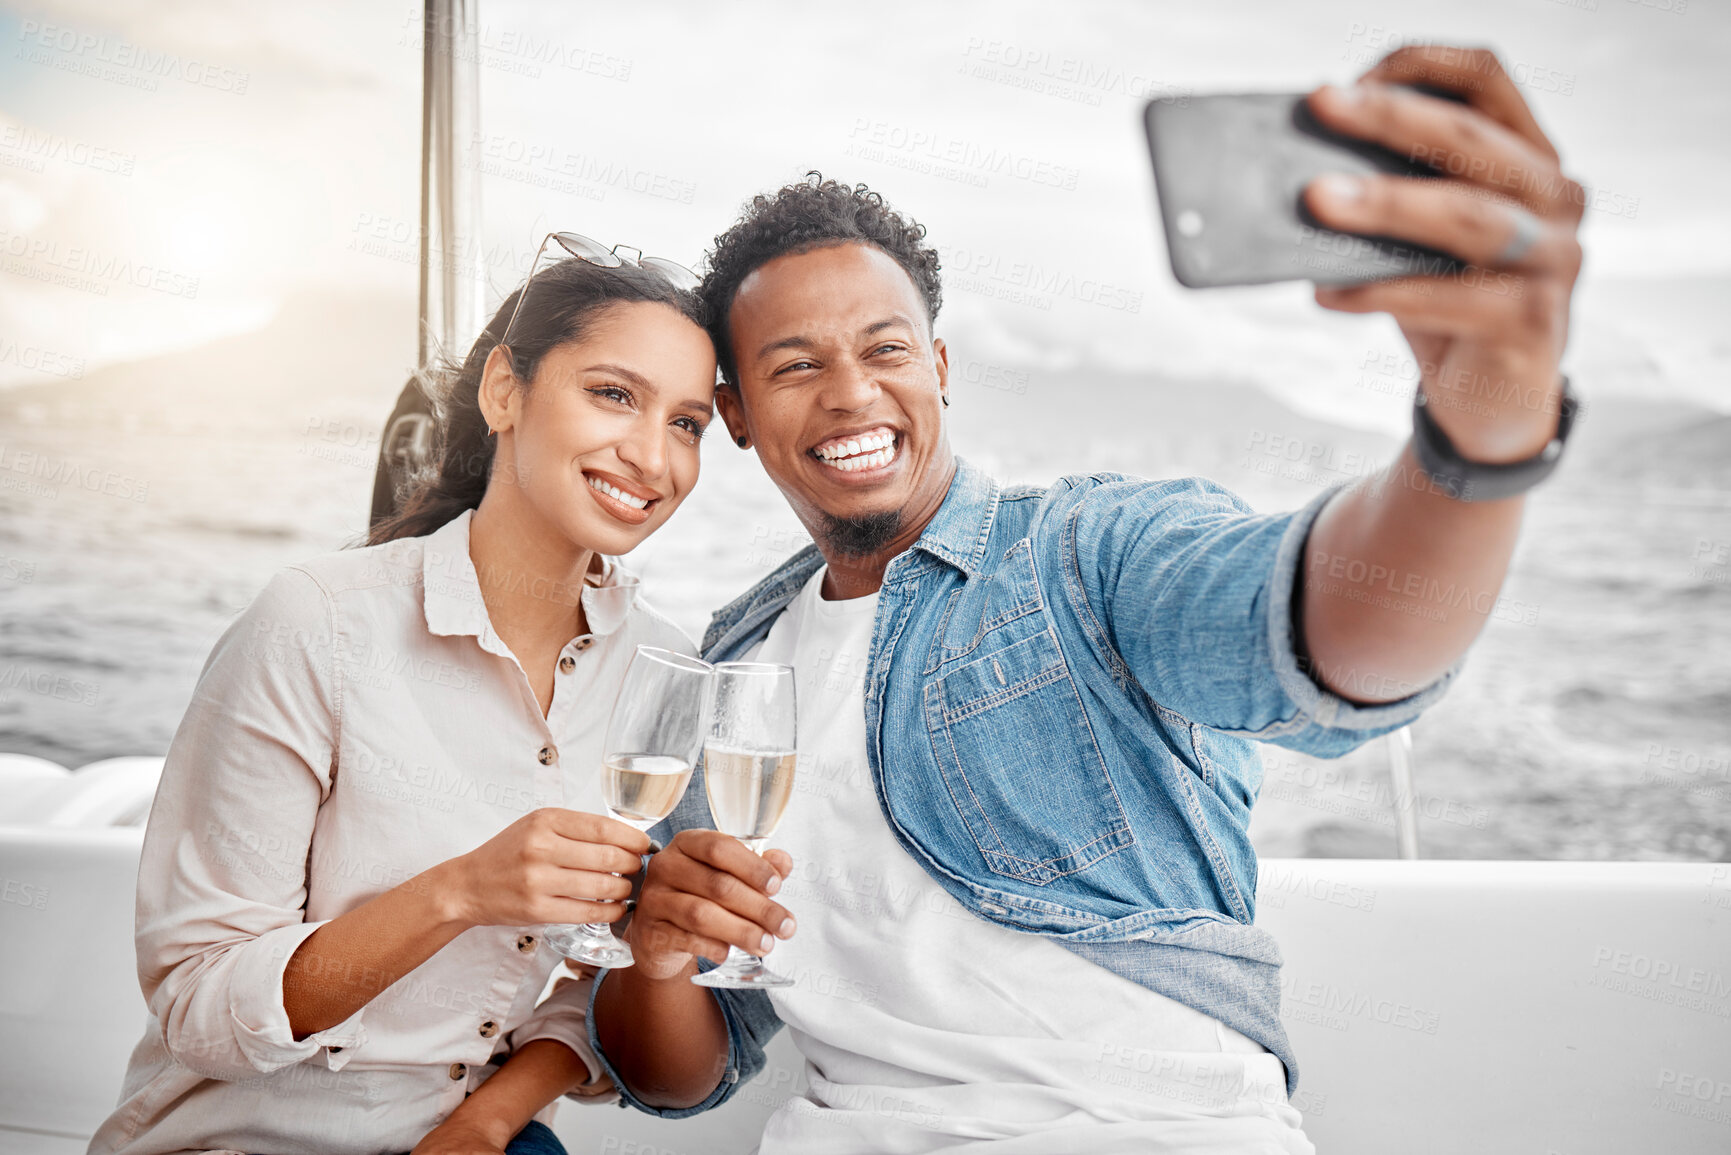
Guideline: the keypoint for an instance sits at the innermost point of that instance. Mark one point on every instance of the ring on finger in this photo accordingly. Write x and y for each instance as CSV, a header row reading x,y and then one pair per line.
x,y
1528,229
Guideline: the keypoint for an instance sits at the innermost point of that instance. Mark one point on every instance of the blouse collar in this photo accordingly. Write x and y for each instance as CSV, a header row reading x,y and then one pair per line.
x,y
452,589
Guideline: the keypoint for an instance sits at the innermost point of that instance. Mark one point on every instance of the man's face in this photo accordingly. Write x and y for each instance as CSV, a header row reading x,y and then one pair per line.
x,y
840,386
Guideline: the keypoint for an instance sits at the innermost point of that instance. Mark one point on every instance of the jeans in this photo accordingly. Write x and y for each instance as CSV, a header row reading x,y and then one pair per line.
x,y
534,1139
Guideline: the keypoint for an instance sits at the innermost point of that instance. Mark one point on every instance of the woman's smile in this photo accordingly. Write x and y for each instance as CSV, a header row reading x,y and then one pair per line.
x,y
619,498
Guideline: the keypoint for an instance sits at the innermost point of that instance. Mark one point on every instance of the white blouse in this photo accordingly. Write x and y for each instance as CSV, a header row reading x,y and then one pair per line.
x,y
360,723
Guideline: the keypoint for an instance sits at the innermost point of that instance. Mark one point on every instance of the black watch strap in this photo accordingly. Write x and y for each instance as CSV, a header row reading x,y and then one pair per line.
x,y
1466,480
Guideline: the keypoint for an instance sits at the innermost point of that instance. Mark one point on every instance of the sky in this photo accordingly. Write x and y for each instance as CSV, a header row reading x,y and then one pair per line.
x,y
177,171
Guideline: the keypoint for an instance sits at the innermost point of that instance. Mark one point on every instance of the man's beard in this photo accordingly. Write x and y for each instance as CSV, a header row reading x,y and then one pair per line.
x,y
861,536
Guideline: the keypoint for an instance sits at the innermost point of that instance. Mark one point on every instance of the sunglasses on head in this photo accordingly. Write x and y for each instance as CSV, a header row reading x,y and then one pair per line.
x,y
582,248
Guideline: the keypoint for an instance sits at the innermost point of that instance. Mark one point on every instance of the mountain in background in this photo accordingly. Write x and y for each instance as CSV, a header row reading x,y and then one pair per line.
x,y
324,355
344,357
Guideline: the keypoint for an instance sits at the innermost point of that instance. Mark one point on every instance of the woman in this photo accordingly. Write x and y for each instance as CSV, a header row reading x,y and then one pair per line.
x,y
384,786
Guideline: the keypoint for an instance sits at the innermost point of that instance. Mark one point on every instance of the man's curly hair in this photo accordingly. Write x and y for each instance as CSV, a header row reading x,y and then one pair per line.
x,y
812,214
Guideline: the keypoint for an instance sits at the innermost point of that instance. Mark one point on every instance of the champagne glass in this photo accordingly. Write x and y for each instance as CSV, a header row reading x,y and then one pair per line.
x,y
748,762
652,742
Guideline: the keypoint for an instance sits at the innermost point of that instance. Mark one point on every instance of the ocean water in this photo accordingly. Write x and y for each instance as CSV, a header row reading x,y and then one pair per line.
x,y
140,514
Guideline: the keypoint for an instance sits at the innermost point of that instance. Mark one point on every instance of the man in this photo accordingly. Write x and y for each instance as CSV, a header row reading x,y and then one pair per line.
x,y
1018,845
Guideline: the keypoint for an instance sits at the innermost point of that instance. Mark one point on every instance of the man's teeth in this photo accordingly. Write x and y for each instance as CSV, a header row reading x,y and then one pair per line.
x,y
617,494
868,452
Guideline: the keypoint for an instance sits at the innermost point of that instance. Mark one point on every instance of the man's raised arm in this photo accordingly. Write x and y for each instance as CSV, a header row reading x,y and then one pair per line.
x,y
1487,340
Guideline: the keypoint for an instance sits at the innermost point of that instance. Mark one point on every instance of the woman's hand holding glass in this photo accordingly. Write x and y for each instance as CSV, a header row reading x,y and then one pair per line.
x,y
549,866
657,727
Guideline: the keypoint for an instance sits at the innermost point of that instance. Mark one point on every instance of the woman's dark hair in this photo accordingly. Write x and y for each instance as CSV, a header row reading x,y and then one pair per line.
x,y
814,213
564,300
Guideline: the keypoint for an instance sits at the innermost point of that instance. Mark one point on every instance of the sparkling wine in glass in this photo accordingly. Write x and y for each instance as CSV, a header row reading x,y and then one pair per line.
x,y
652,743
748,763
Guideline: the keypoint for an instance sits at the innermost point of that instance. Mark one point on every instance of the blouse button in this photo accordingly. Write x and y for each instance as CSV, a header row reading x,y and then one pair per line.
x,y
525,943
567,664
458,1071
489,1029
547,756
584,642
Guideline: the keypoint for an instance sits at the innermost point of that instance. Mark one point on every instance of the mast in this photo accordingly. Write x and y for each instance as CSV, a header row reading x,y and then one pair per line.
x,y
453,279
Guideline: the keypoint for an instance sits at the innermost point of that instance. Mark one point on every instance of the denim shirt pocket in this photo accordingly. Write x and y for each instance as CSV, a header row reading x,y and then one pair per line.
x,y
1013,745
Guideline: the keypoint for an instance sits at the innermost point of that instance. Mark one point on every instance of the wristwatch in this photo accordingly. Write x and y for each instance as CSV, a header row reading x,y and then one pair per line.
x,y
1466,480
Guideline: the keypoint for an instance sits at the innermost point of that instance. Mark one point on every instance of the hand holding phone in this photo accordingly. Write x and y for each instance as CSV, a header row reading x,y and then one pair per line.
x,y
1453,216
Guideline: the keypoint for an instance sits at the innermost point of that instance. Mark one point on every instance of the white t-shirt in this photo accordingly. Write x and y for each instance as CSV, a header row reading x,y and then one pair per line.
x,y
926,1028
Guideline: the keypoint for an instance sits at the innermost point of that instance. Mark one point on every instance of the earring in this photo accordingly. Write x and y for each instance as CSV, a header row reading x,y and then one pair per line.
x,y
740,441
946,398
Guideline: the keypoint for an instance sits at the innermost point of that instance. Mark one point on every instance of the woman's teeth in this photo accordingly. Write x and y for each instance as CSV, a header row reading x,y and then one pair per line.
x,y
618,495
869,452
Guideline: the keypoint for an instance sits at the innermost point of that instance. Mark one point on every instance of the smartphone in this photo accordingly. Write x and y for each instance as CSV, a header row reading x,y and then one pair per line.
x,y
1229,171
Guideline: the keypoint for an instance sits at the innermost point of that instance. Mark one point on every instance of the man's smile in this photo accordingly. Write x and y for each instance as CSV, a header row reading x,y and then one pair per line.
x,y
867,450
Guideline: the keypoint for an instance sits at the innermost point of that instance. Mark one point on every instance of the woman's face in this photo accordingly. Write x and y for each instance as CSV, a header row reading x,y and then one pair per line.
x,y
604,445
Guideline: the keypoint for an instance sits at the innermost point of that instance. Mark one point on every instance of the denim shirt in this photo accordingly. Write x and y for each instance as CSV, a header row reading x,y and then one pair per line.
x,y
1063,693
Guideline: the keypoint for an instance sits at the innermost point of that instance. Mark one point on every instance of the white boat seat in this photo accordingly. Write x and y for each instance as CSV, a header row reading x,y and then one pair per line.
x,y
24,781
1568,1007
1434,1006
70,1007
112,792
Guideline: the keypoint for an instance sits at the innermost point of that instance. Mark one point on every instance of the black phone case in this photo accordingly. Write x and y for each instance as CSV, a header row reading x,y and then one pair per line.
x,y
1229,170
